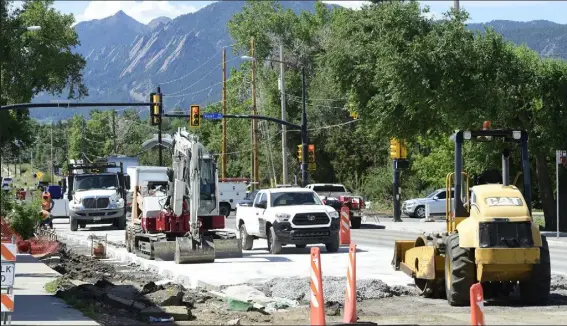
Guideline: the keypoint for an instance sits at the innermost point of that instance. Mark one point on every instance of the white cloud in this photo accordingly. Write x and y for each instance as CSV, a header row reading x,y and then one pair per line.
x,y
142,11
348,4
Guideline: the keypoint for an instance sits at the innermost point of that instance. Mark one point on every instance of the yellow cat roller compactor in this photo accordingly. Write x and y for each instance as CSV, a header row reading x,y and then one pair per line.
x,y
490,237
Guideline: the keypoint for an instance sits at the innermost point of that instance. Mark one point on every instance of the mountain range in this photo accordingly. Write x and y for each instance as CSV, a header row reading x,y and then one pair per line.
x,y
126,60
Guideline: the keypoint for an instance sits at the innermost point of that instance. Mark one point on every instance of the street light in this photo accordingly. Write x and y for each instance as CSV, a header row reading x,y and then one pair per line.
x,y
304,139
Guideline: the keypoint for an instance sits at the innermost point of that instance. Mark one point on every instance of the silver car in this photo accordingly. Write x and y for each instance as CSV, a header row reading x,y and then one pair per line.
x,y
436,201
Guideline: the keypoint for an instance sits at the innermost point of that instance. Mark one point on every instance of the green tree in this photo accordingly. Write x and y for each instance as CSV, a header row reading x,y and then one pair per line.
x,y
35,61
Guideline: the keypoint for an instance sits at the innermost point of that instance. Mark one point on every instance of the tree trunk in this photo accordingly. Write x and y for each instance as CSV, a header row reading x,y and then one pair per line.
x,y
562,198
545,191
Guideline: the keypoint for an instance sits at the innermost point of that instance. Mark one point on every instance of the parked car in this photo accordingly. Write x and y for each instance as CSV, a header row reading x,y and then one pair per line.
x,y
6,184
436,201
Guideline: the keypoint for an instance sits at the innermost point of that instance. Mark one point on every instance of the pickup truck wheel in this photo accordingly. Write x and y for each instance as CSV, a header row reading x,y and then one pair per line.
x,y
274,244
224,209
74,224
334,245
247,240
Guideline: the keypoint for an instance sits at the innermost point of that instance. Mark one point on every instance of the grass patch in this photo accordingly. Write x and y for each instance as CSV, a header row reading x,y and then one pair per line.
x,y
52,286
87,308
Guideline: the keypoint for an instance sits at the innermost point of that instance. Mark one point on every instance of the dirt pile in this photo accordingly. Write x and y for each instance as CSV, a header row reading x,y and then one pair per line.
x,y
558,282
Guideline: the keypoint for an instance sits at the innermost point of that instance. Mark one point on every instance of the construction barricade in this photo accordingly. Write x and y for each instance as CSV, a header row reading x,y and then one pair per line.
x,y
344,230
8,253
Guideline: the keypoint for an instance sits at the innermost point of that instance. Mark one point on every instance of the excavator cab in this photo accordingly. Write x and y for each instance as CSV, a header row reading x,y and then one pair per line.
x,y
490,236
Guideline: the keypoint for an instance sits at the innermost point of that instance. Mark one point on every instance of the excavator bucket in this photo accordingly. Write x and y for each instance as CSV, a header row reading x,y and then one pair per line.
x,y
189,251
228,248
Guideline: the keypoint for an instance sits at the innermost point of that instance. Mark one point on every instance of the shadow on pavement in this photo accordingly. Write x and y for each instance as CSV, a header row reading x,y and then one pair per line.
x,y
555,299
37,274
39,308
291,250
26,259
372,226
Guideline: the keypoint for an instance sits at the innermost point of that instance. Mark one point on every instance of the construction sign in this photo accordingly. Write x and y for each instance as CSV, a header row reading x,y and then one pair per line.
x,y
7,302
8,251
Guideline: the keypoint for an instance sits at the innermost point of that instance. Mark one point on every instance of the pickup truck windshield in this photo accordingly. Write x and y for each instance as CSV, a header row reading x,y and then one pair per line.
x,y
294,198
92,182
329,188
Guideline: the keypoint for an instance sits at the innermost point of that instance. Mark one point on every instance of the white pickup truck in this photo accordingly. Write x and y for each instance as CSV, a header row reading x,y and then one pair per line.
x,y
288,216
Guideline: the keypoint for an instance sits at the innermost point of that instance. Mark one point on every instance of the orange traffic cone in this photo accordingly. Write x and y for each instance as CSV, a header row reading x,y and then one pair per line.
x,y
344,230
317,302
350,297
477,305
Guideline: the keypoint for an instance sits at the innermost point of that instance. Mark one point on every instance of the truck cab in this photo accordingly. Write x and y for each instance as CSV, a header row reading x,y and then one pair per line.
x,y
288,216
337,195
96,196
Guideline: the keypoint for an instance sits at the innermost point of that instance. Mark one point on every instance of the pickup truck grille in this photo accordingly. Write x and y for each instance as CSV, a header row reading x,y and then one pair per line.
x,y
94,203
310,233
310,219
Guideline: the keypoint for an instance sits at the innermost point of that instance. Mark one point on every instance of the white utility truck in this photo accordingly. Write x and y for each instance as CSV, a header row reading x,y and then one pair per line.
x,y
288,216
231,192
150,177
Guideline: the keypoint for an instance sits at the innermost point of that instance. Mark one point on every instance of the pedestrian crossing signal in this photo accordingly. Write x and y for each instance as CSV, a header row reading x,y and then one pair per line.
x,y
195,119
311,153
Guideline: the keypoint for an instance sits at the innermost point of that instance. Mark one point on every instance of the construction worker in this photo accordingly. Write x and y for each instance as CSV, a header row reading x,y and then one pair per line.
x,y
46,206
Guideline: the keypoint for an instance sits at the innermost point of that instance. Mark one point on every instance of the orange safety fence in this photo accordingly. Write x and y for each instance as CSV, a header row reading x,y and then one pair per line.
x,y
34,246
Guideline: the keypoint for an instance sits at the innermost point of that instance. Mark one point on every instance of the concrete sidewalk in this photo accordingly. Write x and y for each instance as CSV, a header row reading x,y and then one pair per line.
x,y
33,305
414,225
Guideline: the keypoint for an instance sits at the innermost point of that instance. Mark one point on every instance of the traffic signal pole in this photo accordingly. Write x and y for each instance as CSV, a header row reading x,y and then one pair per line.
x,y
396,193
160,149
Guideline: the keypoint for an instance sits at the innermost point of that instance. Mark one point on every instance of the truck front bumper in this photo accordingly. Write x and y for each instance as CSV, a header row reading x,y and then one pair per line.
x,y
321,235
97,214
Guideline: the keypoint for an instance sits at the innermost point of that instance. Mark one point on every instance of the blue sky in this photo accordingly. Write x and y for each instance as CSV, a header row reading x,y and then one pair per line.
x,y
480,11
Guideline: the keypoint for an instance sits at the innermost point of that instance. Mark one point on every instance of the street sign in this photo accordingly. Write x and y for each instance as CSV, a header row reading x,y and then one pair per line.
x,y
8,274
561,157
312,166
212,116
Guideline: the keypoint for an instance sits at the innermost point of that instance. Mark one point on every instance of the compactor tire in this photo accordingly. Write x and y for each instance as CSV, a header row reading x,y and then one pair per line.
x,y
73,224
274,244
247,240
334,245
535,291
459,272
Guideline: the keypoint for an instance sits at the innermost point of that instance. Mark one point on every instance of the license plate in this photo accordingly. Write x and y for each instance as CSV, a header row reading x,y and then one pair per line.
x,y
97,218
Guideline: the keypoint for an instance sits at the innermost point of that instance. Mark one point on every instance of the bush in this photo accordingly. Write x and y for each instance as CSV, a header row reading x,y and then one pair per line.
x,y
24,217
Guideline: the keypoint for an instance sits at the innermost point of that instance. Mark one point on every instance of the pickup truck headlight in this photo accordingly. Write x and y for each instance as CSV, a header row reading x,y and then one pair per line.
x,y
334,214
282,217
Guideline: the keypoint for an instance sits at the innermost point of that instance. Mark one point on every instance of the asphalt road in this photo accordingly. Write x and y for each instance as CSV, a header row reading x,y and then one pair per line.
x,y
370,235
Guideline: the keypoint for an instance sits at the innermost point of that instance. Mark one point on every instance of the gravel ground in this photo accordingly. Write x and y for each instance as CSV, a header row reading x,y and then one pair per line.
x,y
333,289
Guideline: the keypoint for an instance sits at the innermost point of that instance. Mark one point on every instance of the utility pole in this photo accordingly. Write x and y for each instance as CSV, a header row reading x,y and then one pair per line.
x,y
254,122
456,5
52,151
160,153
114,130
304,135
223,157
83,141
284,127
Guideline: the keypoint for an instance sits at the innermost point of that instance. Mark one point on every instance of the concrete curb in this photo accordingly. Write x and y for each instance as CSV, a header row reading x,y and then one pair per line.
x,y
122,255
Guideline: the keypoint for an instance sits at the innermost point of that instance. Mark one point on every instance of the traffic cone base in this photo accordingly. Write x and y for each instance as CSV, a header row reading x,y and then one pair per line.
x,y
477,305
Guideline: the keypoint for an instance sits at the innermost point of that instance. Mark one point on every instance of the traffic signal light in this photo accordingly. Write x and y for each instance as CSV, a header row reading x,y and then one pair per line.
x,y
195,116
394,148
354,115
155,110
398,149
299,152
311,153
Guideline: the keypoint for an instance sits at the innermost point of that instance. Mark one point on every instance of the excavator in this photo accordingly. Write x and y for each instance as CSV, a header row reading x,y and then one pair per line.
x,y
490,235
182,223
